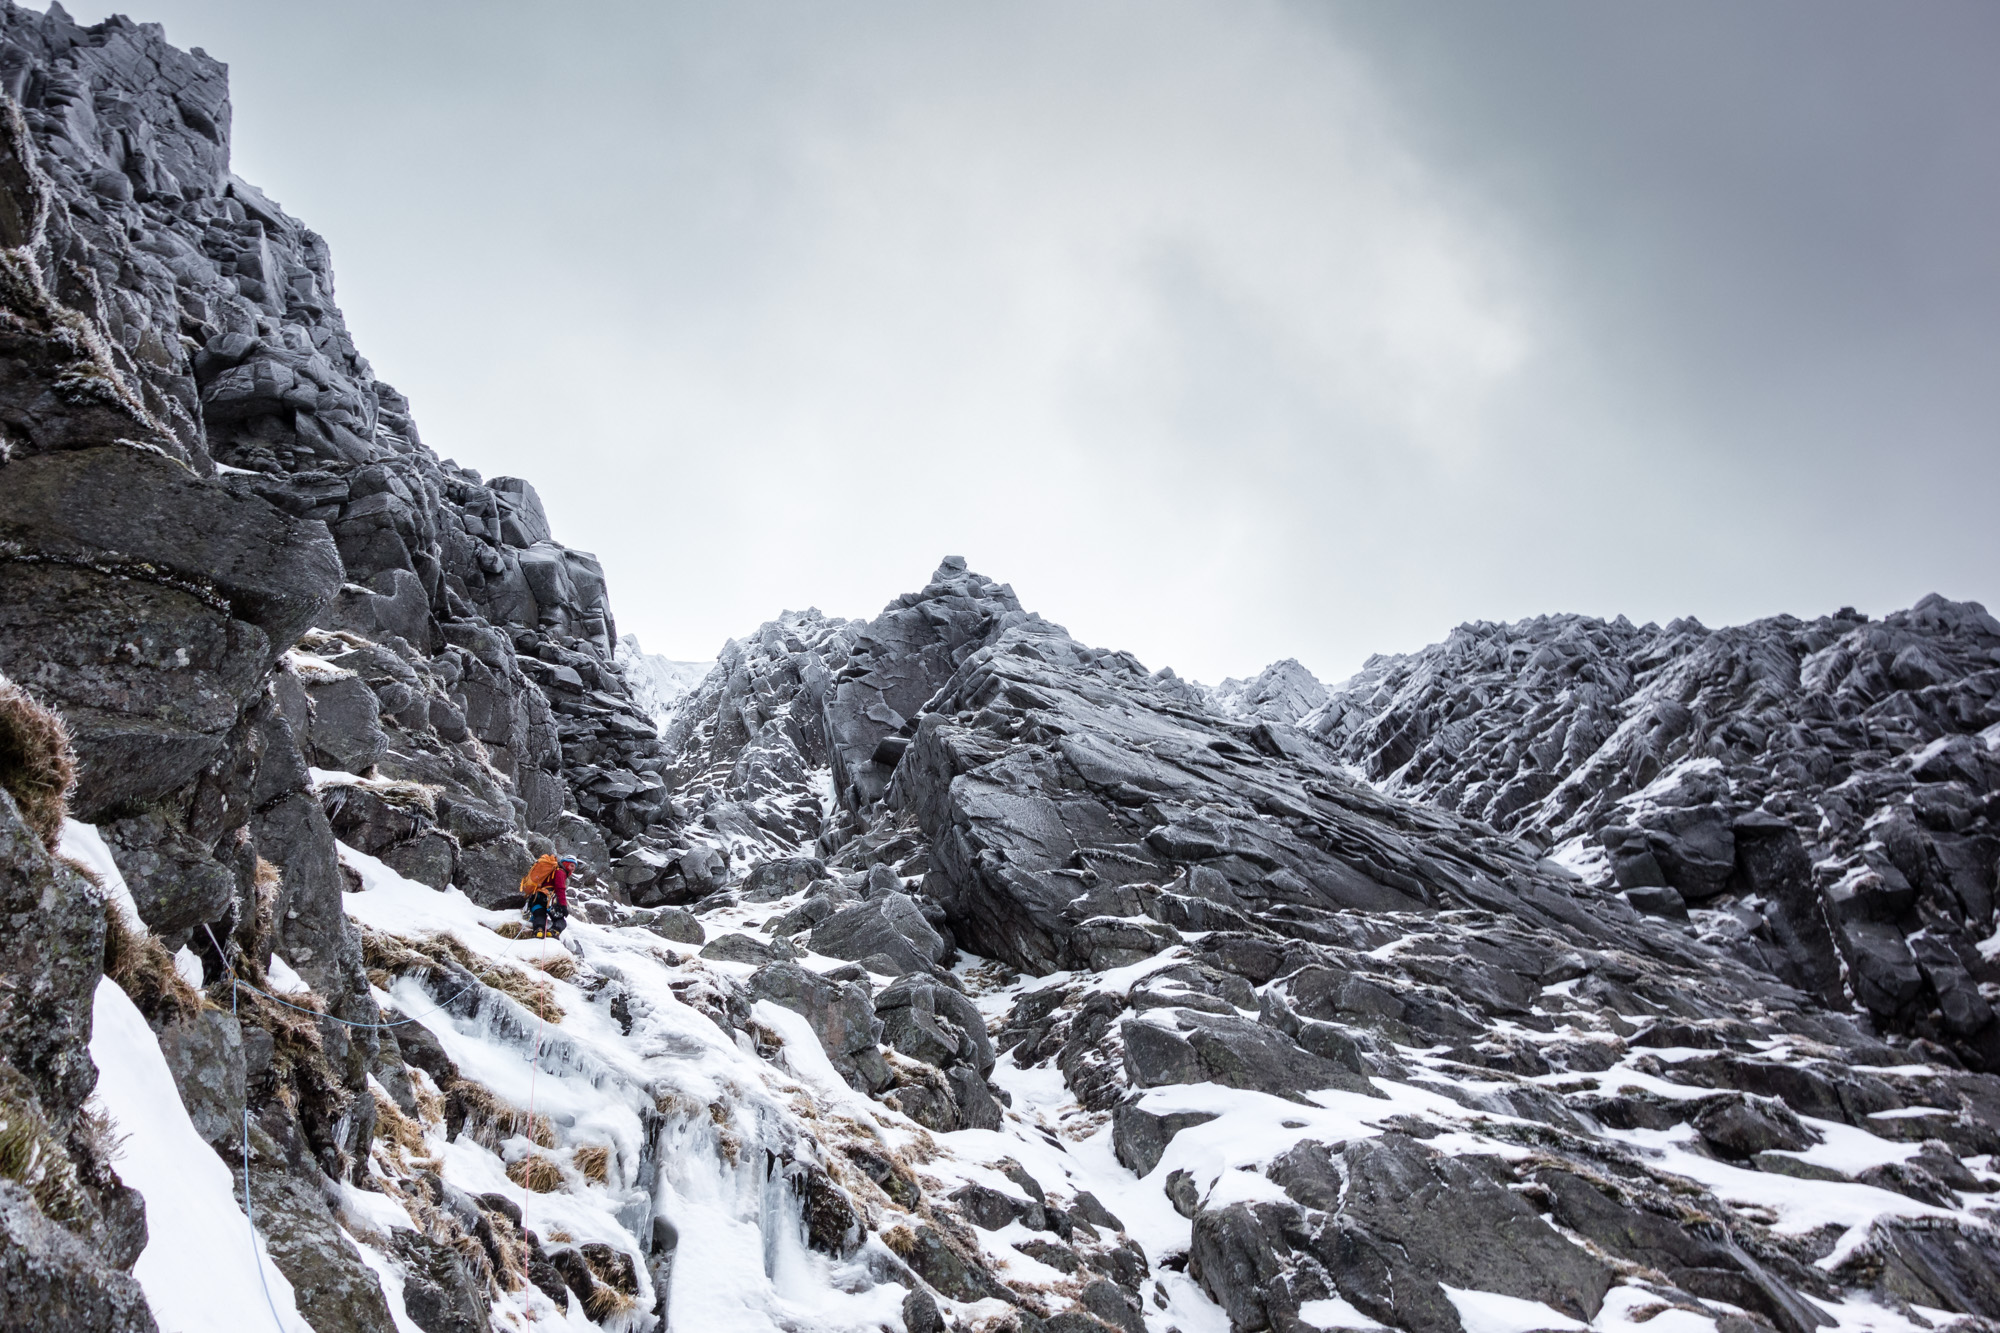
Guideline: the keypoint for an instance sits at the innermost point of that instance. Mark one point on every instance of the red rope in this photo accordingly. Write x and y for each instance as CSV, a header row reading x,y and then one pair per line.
x,y
534,1068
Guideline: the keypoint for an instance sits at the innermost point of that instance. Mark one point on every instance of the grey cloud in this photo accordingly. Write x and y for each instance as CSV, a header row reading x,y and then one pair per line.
x,y
1225,331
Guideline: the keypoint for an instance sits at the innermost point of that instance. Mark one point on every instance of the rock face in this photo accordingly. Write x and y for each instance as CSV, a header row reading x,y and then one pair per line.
x,y
268,613
1822,790
1645,970
1301,937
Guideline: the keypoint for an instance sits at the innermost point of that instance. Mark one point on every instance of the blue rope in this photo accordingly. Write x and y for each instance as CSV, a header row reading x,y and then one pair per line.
x,y
249,1209
343,1021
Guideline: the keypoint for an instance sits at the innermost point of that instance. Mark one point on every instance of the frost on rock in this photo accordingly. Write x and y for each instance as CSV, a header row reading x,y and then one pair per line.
x,y
1816,793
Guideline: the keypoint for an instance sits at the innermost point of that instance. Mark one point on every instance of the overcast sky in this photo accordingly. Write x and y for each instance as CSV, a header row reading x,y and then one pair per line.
x,y
1224,331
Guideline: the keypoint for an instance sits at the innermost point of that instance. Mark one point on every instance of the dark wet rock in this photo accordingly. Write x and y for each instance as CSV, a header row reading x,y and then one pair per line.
x,y
1140,1137
974,1098
51,956
781,877
575,1271
1654,1233
1911,1181
920,1314
928,1021
337,1291
992,1209
1233,1051
205,1056
1825,774
440,1288
941,1263
677,924
739,948
1401,1221
1086,1207
1944,1264
891,928
1113,1305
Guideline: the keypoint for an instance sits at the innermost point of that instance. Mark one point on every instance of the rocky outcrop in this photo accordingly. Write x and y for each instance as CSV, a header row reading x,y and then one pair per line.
x,y
1296,935
269,614
1820,791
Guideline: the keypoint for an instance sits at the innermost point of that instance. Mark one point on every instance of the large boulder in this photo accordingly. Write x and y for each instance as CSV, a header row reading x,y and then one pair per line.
x,y
1388,1225
840,1015
1233,1051
929,1021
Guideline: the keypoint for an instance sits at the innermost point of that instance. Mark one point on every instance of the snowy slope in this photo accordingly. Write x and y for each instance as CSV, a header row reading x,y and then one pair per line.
x,y
657,683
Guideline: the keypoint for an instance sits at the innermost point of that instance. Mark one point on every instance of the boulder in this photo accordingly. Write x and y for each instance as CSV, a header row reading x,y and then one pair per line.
x,y
840,1015
894,931
1403,1223
929,1021
1233,1051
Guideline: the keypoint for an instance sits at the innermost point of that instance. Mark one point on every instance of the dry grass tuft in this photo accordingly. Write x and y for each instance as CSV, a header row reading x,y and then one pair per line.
x,y
398,1132
430,1103
37,765
144,970
604,1302
32,1159
491,1120
537,1173
258,928
557,1236
439,953
512,930
594,1160
561,966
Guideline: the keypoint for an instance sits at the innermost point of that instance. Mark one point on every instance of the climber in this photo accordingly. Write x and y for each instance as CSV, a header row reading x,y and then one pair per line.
x,y
546,889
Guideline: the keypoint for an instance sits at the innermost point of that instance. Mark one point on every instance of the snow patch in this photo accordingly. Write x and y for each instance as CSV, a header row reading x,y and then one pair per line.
x,y
1491,1312
202,1263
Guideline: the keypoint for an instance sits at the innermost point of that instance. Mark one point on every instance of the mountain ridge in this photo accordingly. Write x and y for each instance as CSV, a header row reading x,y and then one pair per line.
x,y
931,971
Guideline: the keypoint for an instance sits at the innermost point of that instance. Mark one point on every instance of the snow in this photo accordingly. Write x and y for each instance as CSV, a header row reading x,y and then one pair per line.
x,y
83,844
1334,1312
658,683
1491,1312
1622,1311
200,1268
742,1262
284,980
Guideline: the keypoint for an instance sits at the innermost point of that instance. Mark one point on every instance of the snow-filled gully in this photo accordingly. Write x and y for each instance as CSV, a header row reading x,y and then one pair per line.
x,y
706,1139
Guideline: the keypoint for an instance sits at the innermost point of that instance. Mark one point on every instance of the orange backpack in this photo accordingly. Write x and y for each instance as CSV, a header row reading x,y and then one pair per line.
x,y
535,884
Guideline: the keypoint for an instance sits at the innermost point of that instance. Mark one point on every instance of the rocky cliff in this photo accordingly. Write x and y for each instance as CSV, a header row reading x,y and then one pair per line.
x,y
937,970
1820,792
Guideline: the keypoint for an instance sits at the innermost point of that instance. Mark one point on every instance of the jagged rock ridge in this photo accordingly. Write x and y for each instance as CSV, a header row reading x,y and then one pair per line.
x,y
1826,787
